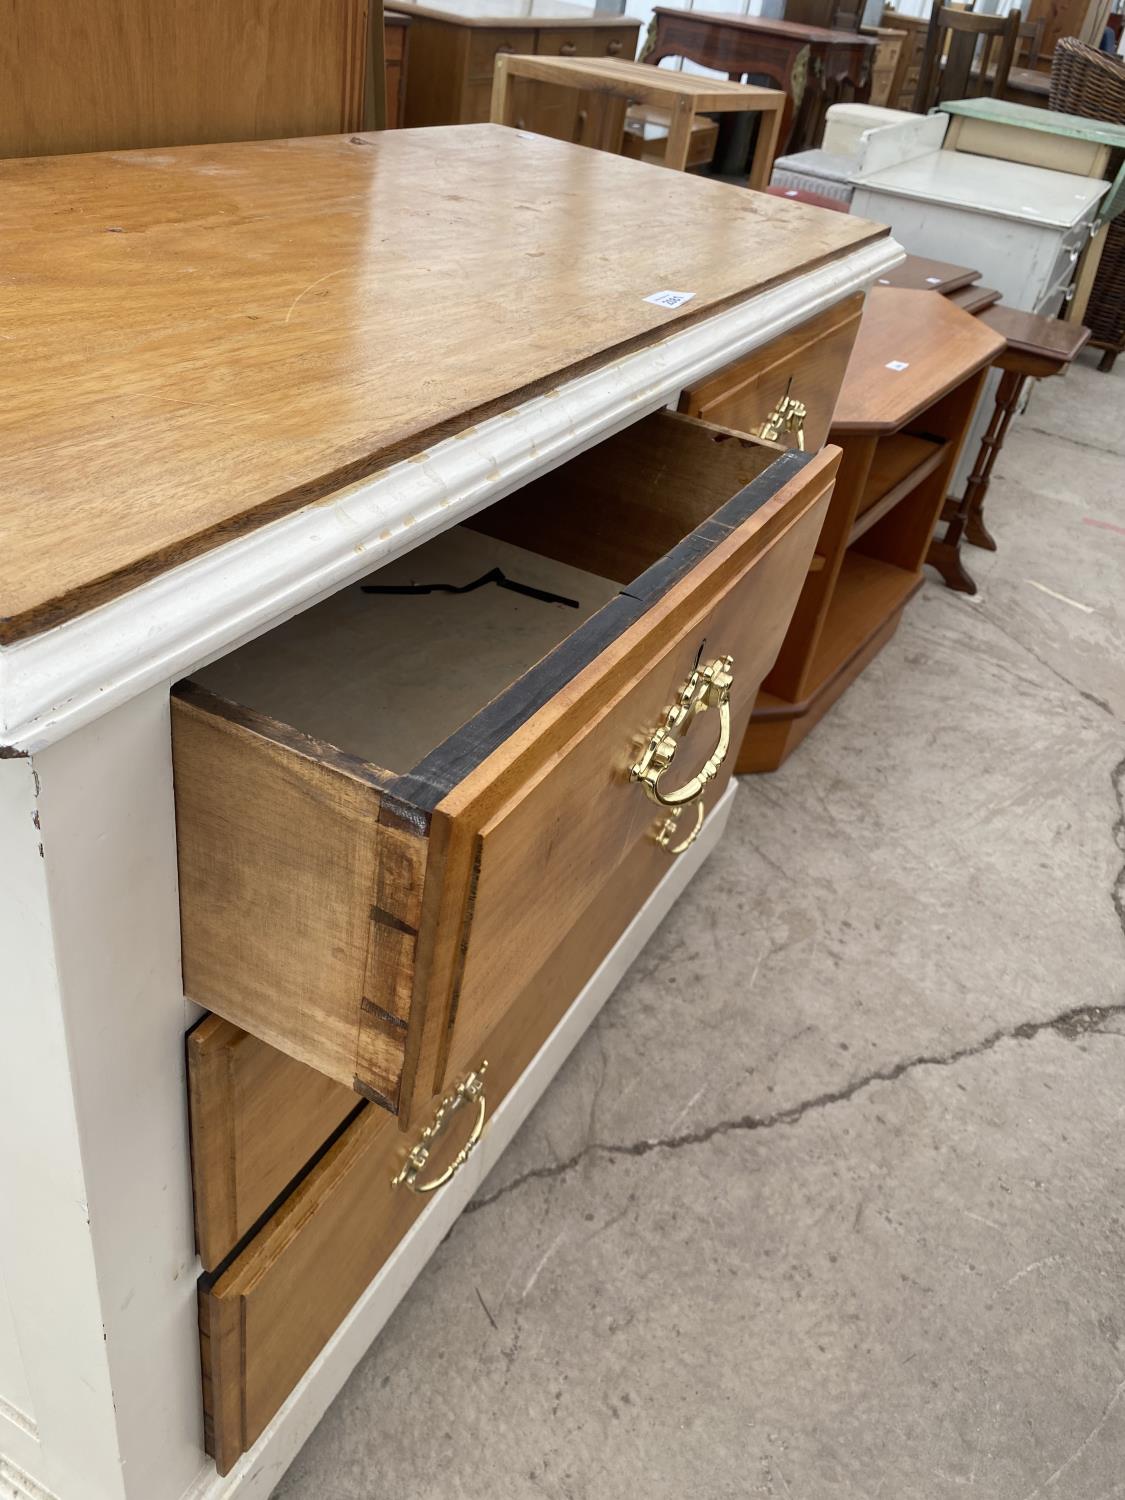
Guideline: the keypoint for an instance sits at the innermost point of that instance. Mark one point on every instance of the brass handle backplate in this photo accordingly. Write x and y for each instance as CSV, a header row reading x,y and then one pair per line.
x,y
788,416
568,49
613,48
667,830
469,1092
707,687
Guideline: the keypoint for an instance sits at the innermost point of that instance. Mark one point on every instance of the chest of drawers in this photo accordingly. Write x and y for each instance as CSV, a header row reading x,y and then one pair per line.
x,y
255,404
453,47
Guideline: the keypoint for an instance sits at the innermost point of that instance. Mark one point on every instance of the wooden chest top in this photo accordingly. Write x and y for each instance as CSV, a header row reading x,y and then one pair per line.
x,y
197,341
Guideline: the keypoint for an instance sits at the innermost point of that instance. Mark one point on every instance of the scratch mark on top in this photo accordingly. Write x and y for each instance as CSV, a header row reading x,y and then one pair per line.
x,y
312,284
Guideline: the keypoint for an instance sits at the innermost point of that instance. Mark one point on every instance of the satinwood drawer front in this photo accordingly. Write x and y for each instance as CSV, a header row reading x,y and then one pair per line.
x,y
586,41
806,365
258,1118
267,1316
486,46
392,809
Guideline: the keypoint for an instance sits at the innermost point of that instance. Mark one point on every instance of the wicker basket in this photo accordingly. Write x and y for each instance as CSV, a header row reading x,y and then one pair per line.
x,y
1091,83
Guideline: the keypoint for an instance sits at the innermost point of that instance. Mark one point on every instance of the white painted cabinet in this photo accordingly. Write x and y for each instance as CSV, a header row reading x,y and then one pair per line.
x,y
1023,228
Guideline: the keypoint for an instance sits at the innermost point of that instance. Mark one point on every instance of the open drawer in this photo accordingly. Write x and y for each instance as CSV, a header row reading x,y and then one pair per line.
x,y
393,808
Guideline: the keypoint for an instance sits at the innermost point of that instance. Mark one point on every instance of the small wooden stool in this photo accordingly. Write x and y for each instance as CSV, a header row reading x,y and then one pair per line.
x,y
585,99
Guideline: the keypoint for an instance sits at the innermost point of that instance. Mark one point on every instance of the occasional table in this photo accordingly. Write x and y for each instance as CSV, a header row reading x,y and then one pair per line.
x,y
917,273
596,93
1036,348
815,67
910,390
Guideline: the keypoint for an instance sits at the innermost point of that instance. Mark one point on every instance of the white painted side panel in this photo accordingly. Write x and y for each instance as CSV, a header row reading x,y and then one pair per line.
x,y
15,1393
108,831
1014,257
45,1235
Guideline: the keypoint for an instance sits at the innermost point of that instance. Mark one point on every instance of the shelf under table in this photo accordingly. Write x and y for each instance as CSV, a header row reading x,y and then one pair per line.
x,y
901,462
868,593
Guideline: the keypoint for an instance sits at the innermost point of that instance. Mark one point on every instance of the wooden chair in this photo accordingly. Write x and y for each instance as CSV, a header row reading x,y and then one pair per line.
x,y
965,55
1029,46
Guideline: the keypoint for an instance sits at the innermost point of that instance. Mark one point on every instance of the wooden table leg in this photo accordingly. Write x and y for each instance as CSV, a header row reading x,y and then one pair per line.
x,y
765,147
501,92
679,136
1008,394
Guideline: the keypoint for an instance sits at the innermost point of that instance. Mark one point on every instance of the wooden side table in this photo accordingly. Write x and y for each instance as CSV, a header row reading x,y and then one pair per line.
x,y
911,386
1036,347
815,67
596,93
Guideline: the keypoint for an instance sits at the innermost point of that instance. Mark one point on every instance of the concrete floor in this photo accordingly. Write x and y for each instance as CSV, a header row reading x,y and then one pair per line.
x,y
830,1203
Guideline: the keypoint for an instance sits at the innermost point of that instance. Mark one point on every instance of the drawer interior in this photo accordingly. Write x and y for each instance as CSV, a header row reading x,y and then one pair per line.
x,y
390,668
332,673
391,809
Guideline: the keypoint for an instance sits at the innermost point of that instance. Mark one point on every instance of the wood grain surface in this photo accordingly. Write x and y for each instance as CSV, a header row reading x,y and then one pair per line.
x,y
202,339
109,75
266,1318
917,273
808,362
373,926
257,1118
516,14
937,344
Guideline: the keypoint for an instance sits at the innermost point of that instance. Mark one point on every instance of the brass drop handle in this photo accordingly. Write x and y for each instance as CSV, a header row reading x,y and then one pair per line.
x,y
613,48
670,826
787,416
707,687
469,1092
568,49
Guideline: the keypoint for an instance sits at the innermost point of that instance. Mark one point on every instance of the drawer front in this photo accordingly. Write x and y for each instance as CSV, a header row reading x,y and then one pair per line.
x,y
268,1316
257,1120
486,46
541,854
587,41
808,363
377,926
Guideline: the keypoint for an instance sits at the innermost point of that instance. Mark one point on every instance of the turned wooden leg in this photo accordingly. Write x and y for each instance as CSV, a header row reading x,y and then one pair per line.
x,y
945,556
1008,394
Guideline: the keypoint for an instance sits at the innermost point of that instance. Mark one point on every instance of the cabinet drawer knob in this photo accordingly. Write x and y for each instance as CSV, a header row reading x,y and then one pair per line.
x,y
707,687
470,1091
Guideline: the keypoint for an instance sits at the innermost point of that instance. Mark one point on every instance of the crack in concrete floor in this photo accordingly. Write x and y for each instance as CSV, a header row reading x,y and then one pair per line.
x,y
1070,1024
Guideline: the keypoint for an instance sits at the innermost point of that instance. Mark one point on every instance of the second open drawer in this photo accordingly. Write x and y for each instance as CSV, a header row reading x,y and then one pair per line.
x,y
393,808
